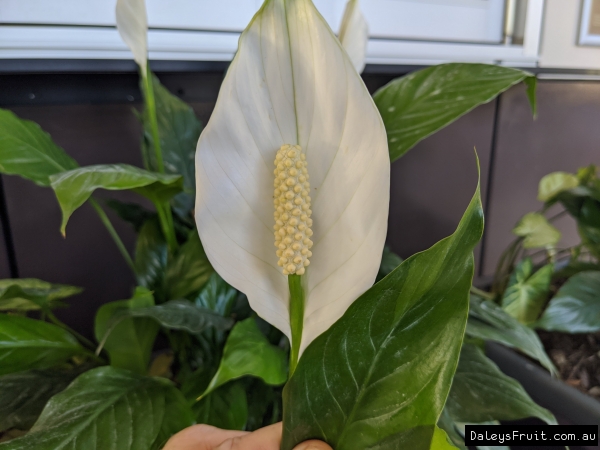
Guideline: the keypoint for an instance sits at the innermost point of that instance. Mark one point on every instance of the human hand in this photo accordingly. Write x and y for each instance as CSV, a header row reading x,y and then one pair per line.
x,y
205,437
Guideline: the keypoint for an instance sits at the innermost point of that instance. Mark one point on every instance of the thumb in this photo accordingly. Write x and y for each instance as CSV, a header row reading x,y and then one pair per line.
x,y
313,445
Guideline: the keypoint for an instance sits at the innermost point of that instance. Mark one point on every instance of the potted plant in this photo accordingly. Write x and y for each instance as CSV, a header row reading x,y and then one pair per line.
x,y
556,291
238,325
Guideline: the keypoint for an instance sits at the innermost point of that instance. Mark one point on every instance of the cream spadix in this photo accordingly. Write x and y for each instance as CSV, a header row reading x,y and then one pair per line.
x,y
291,86
292,210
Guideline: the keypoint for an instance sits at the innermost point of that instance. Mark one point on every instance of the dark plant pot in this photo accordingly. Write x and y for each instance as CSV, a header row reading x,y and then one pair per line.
x,y
564,401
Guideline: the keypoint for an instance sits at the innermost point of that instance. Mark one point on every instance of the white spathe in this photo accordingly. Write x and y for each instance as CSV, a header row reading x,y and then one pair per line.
x,y
354,34
291,82
132,23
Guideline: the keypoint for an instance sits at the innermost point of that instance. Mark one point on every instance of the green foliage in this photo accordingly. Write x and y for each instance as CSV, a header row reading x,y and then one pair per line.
x,y
488,321
247,352
179,315
349,381
189,270
554,183
178,130
217,296
151,259
417,105
527,291
132,213
128,340
536,231
481,392
26,150
27,294
32,344
108,409
226,407
576,306
23,395
355,385
74,188
180,277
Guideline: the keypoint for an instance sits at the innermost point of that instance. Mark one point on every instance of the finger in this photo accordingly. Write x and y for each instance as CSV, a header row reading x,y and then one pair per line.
x,y
268,438
313,445
201,437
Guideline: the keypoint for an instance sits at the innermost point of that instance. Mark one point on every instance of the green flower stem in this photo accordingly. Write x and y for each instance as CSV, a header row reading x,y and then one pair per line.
x,y
164,210
166,223
113,233
151,105
296,318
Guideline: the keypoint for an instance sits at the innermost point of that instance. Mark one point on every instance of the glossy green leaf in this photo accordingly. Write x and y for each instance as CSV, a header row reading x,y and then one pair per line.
x,y
554,183
481,392
132,213
576,306
488,321
74,188
26,294
28,151
23,395
128,341
247,352
217,295
355,385
178,129
536,231
264,404
180,315
189,270
108,409
178,415
151,259
440,440
419,104
32,344
226,407
527,291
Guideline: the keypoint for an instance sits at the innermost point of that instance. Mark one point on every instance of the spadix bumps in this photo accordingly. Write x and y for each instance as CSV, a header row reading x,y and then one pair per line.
x,y
292,210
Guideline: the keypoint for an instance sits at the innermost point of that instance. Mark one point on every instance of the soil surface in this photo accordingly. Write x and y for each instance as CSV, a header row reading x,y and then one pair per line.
x,y
577,358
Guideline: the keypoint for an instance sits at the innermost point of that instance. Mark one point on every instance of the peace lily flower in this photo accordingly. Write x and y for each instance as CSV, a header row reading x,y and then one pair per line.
x,y
354,34
293,174
132,24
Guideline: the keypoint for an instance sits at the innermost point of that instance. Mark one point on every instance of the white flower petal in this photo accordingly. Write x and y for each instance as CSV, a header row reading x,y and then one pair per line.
x,y
354,34
132,23
292,83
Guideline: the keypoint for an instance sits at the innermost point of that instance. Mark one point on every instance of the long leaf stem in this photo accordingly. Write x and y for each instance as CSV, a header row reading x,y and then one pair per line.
x,y
113,233
296,318
164,210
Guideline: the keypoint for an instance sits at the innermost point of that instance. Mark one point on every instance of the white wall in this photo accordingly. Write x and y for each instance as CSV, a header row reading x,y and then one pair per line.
x,y
559,47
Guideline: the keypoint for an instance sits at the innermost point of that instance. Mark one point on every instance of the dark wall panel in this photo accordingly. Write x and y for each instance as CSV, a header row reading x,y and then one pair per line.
x,y
565,136
433,183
